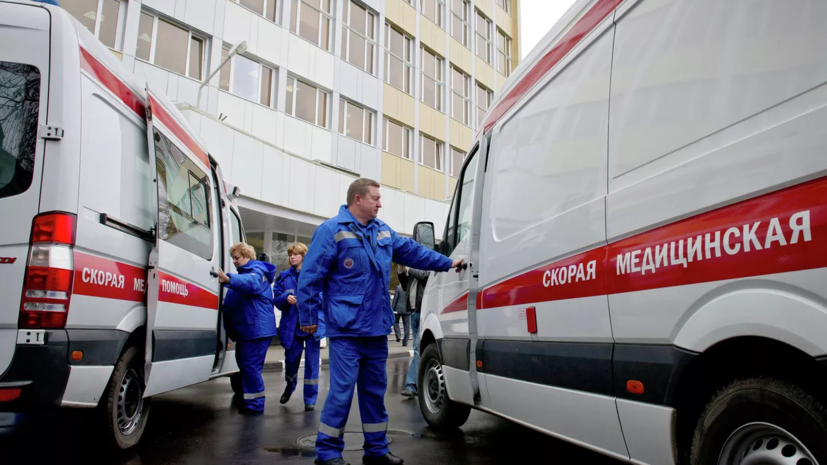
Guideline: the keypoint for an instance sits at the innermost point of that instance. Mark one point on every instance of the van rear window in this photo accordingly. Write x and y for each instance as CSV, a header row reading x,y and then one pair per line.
x,y
19,105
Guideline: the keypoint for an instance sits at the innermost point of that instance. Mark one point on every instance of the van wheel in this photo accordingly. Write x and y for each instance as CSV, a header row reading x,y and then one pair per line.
x,y
125,407
439,411
761,420
235,383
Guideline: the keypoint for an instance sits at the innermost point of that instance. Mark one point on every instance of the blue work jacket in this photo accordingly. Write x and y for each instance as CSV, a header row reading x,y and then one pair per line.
x,y
248,305
286,284
351,264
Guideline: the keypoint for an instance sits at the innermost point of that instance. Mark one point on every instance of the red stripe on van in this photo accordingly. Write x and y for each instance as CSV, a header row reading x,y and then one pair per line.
x,y
586,24
179,131
97,70
176,291
730,229
102,277
460,304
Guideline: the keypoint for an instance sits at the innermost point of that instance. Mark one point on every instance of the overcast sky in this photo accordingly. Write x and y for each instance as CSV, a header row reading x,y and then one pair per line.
x,y
537,17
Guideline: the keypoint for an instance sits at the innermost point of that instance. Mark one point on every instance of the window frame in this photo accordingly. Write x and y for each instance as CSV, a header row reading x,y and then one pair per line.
x,y
466,98
153,45
346,29
295,14
439,84
490,99
466,29
261,67
407,141
505,53
439,157
408,44
489,49
263,14
368,116
119,27
506,5
291,110
452,151
439,9
449,234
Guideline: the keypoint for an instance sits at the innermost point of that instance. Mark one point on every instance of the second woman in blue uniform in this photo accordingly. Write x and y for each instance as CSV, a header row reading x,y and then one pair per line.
x,y
294,339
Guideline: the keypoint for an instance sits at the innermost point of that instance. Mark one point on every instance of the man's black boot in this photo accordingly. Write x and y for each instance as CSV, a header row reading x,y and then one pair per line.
x,y
387,459
285,397
336,461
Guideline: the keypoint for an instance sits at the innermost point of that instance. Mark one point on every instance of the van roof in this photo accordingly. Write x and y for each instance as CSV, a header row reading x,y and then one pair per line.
x,y
562,38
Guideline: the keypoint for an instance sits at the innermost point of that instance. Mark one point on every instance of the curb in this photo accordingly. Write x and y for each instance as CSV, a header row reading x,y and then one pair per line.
x,y
278,365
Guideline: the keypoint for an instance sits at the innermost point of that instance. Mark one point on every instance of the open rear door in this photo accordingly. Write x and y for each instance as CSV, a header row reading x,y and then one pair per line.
x,y
182,286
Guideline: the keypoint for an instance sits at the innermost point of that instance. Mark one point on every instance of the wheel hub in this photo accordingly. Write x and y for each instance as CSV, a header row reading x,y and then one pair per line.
x,y
130,403
434,387
764,444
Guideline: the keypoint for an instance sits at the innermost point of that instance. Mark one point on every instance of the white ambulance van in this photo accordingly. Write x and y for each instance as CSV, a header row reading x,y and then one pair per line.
x,y
107,277
644,220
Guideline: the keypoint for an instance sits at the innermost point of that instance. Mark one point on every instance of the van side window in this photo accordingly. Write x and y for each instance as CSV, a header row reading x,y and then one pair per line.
x,y
183,201
19,106
235,228
459,220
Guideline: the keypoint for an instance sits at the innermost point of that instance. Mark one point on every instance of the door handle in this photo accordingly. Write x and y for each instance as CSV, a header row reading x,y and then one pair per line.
x,y
462,267
213,273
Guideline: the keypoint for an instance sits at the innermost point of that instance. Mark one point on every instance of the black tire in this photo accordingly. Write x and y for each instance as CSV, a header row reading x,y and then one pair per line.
x,y
125,409
761,416
439,411
235,383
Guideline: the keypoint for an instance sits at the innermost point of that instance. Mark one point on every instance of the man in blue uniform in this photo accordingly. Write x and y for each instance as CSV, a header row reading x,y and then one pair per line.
x,y
350,262
293,339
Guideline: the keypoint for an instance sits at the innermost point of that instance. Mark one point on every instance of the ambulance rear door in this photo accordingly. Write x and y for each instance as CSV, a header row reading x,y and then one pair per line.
x,y
182,283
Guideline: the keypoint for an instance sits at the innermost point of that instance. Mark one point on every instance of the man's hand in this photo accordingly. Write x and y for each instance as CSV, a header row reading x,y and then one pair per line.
x,y
222,278
458,265
309,329
291,299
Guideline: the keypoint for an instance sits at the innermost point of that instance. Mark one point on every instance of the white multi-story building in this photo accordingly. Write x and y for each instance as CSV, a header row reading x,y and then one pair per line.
x,y
327,91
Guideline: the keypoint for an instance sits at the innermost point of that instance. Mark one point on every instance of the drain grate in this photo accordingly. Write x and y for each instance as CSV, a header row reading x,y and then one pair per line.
x,y
353,441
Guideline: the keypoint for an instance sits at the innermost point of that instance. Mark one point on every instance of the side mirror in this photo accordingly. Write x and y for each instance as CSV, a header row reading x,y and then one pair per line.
x,y
423,233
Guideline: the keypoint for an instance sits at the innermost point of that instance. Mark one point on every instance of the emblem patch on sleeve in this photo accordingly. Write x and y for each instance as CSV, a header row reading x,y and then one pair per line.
x,y
349,263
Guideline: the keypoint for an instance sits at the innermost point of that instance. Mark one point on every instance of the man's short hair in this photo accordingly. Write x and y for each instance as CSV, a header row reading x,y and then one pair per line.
x,y
297,248
360,187
243,250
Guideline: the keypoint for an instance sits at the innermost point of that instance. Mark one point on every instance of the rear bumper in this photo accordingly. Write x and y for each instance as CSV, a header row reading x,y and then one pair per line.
x,y
40,372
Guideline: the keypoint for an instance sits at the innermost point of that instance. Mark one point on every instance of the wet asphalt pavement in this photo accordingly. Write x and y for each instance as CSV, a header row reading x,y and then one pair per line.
x,y
200,425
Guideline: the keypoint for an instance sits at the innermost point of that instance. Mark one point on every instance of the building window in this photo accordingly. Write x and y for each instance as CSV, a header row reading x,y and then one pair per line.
x,y
432,9
505,5
355,122
430,152
460,96
399,59
359,36
484,98
432,79
248,79
503,53
459,21
397,139
103,18
180,51
263,8
455,166
306,102
311,19
483,38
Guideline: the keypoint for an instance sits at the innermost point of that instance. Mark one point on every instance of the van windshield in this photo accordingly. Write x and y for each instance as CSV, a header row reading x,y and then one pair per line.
x,y
19,105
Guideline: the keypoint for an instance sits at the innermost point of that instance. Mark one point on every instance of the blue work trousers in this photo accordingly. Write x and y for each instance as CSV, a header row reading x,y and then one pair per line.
x,y
359,362
413,369
292,360
250,358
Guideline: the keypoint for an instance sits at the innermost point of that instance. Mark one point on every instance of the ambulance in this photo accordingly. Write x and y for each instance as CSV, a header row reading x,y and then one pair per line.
x,y
115,222
643,216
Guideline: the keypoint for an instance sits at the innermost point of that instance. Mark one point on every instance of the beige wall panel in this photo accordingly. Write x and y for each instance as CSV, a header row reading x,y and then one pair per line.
x,y
485,73
461,135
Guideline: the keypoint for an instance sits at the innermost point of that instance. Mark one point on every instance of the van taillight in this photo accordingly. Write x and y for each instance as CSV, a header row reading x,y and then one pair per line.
x,y
47,287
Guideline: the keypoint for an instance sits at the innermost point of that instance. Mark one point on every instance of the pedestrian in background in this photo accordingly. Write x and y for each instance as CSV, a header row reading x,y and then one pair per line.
x,y
350,263
249,320
417,279
401,311
293,339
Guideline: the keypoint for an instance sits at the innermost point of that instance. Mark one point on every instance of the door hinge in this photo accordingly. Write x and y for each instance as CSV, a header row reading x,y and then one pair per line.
x,y
50,132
